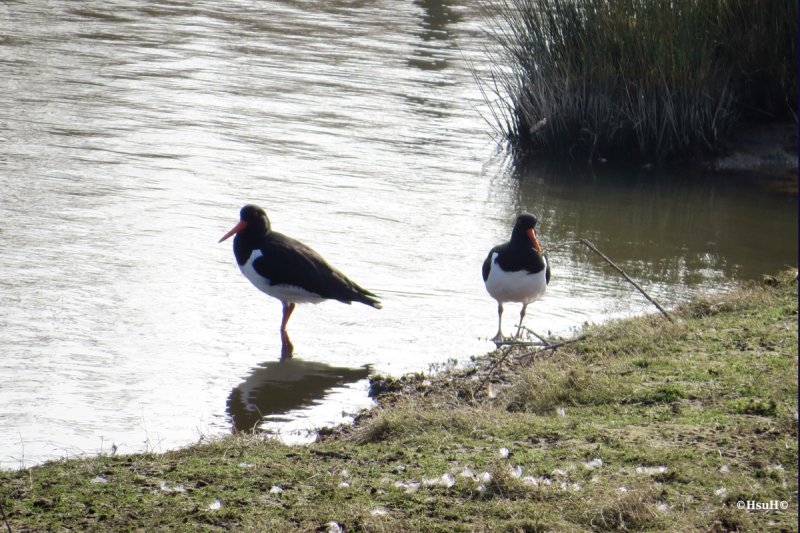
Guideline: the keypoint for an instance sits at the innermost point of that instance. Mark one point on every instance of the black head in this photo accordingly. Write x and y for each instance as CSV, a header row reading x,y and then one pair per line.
x,y
255,217
252,221
523,233
525,222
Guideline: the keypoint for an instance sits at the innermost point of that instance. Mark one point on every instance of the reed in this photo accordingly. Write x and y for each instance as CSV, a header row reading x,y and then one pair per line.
x,y
639,80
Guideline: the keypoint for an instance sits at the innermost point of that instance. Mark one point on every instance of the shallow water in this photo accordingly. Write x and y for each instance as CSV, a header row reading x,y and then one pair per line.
x,y
130,134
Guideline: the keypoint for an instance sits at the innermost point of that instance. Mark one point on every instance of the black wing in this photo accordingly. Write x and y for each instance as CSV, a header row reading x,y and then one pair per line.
x,y
487,263
547,273
290,262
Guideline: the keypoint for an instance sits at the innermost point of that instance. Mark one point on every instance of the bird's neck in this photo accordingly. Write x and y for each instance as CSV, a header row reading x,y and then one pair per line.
x,y
520,239
244,243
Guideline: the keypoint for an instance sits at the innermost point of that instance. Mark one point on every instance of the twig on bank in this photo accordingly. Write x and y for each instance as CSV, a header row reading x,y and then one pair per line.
x,y
543,341
549,347
521,343
5,518
542,347
592,247
495,364
540,337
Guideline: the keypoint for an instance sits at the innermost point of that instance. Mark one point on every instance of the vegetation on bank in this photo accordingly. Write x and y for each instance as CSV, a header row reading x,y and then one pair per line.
x,y
643,425
640,80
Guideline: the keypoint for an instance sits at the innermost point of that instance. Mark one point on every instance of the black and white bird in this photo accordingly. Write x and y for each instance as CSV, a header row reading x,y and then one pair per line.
x,y
517,271
288,270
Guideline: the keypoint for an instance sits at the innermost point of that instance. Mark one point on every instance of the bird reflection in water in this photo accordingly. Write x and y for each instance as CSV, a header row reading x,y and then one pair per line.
x,y
278,387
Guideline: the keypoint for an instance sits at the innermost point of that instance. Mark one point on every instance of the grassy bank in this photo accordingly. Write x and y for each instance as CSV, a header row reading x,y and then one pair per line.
x,y
640,81
642,425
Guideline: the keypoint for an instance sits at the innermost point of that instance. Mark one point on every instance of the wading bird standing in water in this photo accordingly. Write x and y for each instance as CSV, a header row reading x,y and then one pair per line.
x,y
288,270
516,271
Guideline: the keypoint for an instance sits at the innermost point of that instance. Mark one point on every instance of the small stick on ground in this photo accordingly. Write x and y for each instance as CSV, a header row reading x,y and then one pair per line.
x,y
540,337
543,345
592,247
5,518
521,343
509,349
549,347
495,364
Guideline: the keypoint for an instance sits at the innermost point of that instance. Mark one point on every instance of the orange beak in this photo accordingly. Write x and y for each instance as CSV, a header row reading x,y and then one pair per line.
x,y
236,229
532,235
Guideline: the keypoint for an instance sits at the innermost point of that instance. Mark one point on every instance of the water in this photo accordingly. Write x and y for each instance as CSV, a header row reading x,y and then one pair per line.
x,y
130,134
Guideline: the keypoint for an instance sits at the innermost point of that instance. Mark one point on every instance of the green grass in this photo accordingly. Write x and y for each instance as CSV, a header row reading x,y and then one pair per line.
x,y
639,80
644,425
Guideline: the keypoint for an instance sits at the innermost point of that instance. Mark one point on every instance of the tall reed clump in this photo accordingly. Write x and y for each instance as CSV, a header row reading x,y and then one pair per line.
x,y
640,80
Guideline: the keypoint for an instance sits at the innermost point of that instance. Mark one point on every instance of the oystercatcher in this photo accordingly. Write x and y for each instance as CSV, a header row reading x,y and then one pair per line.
x,y
288,270
517,271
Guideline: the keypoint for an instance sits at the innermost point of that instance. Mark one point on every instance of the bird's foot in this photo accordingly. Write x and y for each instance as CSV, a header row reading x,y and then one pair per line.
x,y
287,348
498,338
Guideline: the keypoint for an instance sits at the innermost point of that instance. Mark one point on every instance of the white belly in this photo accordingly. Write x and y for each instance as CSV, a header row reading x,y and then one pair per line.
x,y
285,293
520,286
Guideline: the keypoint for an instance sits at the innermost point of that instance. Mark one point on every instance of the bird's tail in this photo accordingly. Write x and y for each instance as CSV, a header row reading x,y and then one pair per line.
x,y
353,292
369,299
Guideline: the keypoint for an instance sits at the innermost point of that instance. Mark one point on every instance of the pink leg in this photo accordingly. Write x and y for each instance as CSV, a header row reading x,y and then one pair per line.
x,y
287,312
521,316
499,335
287,349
